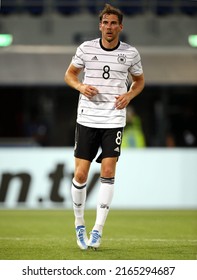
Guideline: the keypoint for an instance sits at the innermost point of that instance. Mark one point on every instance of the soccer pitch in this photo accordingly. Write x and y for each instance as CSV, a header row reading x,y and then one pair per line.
x,y
128,235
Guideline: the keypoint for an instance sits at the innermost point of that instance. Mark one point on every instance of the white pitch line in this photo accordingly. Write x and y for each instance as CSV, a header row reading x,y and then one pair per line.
x,y
150,240
109,239
26,238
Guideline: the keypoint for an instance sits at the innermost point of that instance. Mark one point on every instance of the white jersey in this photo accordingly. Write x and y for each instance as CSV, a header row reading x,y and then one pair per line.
x,y
108,70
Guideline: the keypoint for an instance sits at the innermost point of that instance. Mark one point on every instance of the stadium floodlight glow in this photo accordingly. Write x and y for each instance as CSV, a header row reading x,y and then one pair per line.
x,y
192,39
6,40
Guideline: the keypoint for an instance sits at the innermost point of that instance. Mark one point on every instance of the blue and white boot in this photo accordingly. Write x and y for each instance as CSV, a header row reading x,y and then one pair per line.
x,y
95,239
82,240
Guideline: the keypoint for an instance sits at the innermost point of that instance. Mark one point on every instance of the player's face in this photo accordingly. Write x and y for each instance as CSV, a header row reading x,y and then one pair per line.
x,y
110,27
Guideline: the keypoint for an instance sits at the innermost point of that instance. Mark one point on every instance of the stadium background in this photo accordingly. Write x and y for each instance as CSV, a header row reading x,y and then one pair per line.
x,y
37,110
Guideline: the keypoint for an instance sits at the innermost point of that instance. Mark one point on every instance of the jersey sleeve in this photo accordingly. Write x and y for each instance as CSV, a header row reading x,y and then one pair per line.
x,y
77,59
136,67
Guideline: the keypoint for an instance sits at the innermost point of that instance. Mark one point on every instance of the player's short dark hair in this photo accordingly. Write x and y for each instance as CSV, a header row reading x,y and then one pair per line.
x,y
108,9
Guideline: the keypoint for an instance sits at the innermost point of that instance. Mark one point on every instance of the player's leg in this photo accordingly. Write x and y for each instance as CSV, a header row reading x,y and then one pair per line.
x,y
106,191
78,193
78,190
105,196
86,147
111,144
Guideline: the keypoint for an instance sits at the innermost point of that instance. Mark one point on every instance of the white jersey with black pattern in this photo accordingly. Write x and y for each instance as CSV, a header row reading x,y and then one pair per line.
x,y
108,70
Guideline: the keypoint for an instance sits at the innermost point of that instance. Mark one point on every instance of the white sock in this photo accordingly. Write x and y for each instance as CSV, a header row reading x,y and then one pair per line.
x,y
78,193
104,201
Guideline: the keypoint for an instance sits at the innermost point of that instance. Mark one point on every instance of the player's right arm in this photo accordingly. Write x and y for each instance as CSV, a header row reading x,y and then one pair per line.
x,y
71,78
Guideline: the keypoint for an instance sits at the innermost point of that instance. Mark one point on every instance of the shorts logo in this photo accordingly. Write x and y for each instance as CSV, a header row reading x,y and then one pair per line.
x,y
117,149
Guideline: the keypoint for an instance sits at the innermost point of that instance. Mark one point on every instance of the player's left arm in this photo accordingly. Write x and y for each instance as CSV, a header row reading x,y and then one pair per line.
x,y
136,88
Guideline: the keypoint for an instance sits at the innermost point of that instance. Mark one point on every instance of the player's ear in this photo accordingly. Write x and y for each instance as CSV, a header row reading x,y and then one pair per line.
x,y
100,26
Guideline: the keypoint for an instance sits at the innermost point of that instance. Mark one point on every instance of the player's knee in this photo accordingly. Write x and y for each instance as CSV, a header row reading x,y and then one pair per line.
x,y
107,172
80,177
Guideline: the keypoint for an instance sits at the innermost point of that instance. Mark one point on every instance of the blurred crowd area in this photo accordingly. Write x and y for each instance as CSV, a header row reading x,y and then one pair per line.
x,y
60,22
70,7
161,116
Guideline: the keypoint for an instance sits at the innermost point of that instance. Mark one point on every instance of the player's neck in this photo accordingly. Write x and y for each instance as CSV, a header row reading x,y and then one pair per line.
x,y
110,45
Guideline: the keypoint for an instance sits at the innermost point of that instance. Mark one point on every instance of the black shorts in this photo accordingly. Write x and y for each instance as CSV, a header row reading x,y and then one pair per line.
x,y
88,140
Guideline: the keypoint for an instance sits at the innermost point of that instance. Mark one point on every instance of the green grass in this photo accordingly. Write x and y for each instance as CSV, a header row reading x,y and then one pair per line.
x,y
128,235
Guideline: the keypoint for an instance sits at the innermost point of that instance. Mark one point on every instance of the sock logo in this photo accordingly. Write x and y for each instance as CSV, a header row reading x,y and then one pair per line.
x,y
103,206
77,204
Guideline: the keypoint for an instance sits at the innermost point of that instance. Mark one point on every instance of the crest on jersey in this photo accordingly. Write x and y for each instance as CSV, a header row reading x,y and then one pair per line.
x,y
122,58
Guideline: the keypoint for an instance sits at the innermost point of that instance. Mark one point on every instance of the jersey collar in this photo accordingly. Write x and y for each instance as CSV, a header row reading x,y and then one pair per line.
x,y
108,50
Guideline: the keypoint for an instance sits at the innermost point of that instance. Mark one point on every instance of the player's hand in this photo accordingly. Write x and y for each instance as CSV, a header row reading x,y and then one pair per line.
x,y
122,101
88,91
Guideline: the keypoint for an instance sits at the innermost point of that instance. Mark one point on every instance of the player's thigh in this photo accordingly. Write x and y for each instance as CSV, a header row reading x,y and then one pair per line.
x,y
111,142
108,167
87,142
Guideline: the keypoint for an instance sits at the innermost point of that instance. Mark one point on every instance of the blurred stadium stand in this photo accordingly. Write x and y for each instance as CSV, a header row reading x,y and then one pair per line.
x,y
9,7
165,7
35,7
94,7
188,7
64,22
68,7
129,7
